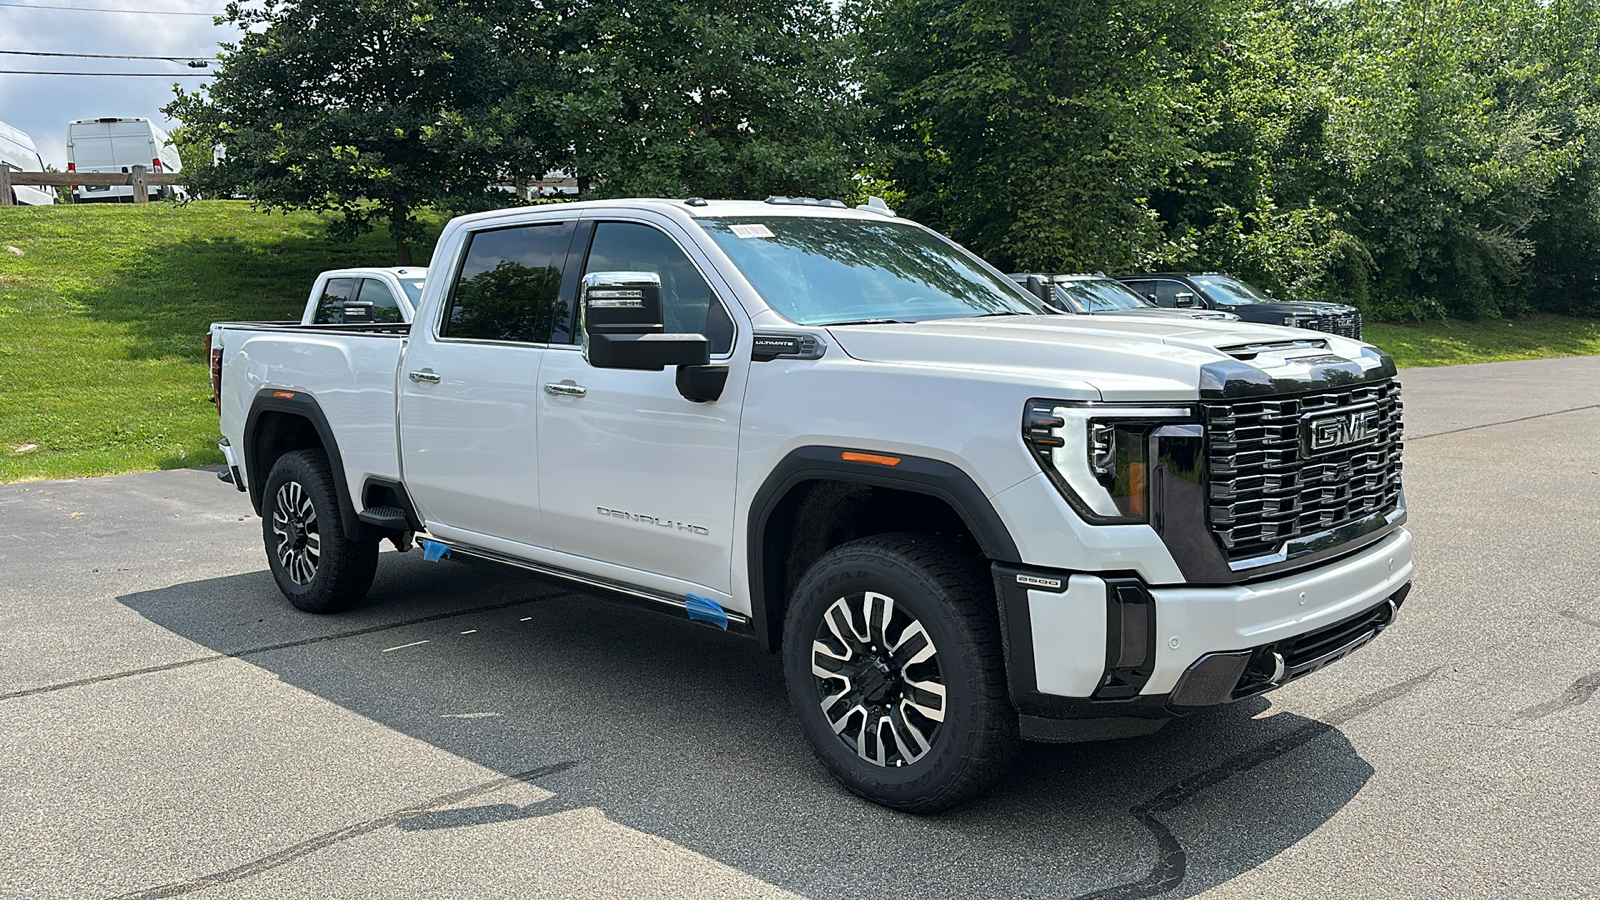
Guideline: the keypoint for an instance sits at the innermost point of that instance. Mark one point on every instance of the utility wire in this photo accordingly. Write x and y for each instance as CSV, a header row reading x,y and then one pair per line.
x,y
143,12
183,59
114,74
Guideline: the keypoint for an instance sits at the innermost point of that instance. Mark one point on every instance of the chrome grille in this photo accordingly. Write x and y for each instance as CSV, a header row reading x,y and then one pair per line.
x,y
1348,325
1264,490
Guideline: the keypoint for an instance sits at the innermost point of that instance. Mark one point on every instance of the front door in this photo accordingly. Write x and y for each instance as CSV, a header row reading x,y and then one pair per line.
x,y
635,481
469,386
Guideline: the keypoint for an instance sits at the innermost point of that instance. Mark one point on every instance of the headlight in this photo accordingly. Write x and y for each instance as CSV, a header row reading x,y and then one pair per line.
x,y
1098,455
1300,321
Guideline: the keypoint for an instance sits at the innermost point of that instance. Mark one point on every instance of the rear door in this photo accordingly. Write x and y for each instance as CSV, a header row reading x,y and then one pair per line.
x,y
469,386
636,482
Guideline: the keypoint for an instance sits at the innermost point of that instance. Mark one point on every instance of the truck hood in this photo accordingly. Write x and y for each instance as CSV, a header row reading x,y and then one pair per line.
x,y
1125,357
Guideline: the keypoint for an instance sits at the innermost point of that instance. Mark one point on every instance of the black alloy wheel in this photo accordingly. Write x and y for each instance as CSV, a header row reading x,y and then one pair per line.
x,y
317,567
892,657
878,679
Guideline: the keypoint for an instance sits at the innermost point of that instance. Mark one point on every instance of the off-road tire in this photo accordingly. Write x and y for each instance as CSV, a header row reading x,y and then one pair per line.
x,y
948,591
342,570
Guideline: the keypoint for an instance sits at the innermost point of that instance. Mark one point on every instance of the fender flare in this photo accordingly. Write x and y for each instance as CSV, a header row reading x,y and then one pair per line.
x,y
913,474
305,406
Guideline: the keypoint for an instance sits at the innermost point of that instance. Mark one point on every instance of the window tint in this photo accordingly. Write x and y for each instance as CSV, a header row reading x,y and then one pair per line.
x,y
413,289
1145,289
687,303
330,309
384,307
1167,293
509,285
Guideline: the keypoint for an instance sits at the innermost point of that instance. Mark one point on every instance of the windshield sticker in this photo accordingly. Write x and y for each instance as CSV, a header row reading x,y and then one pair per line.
x,y
756,230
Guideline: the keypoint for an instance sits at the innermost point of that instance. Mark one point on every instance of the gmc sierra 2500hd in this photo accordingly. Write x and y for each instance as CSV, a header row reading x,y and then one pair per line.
x,y
961,520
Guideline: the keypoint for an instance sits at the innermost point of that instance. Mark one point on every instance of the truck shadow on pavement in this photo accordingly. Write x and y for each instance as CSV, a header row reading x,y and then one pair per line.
x,y
685,733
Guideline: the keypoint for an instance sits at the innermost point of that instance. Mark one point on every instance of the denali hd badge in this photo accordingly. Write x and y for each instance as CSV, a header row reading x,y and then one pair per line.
x,y
1326,432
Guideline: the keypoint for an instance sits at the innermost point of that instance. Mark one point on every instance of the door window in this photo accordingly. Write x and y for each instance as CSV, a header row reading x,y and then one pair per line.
x,y
509,285
330,309
1167,293
687,302
384,307
1145,289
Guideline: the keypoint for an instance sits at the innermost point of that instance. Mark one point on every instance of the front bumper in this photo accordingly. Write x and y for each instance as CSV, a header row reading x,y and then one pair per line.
x,y
1087,647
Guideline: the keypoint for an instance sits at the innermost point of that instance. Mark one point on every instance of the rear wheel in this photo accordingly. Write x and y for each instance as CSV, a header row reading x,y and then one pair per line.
x,y
893,662
315,565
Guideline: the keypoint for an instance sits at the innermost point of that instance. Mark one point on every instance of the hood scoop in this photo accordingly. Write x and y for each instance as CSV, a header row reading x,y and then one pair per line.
x,y
1252,350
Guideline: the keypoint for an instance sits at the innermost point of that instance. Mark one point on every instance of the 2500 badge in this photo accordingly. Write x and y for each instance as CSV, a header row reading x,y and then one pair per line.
x,y
651,520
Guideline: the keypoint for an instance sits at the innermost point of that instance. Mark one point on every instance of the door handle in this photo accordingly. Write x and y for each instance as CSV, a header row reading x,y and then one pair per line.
x,y
565,389
427,375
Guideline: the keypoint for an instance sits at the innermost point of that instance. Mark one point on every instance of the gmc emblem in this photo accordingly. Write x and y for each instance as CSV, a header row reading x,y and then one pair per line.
x,y
1326,432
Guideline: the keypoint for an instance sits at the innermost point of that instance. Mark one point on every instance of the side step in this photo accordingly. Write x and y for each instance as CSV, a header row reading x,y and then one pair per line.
x,y
385,517
697,609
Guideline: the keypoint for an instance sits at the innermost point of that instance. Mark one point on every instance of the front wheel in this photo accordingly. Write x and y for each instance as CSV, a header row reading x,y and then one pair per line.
x,y
315,565
894,666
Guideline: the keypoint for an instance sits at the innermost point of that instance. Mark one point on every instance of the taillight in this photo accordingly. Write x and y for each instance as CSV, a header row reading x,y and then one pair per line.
x,y
155,165
214,354
72,167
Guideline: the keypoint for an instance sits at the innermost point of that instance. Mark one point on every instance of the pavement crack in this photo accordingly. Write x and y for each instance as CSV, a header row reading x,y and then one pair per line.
x,y
1580,693
1172,864
1580,617
215,657
338,835
1558,412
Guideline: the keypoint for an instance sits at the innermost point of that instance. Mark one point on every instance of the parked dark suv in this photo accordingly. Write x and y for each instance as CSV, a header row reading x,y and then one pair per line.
x,y
1098,294
1219,290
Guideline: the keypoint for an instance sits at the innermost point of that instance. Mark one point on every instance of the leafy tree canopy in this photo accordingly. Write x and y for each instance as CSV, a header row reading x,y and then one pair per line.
x,y
372,108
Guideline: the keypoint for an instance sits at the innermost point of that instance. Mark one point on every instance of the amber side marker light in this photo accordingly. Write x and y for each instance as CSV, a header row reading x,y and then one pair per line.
x,y
876,459
287,395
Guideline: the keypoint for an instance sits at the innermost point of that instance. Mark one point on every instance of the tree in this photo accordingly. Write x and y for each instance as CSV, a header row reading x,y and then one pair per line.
x,y
718,98
1036,130
373,108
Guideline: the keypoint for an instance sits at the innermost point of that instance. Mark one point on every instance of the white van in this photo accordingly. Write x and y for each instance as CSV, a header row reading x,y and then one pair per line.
x,y
117,145
17,153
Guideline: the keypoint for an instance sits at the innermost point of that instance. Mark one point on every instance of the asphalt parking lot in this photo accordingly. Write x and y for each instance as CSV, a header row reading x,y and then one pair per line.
x,y
169,726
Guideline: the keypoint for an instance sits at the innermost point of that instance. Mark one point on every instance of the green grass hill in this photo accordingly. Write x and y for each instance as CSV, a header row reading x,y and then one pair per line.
x,y
103,310
103,317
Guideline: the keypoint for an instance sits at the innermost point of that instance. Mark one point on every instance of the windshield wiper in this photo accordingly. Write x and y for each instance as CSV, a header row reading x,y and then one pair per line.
x,y
867,322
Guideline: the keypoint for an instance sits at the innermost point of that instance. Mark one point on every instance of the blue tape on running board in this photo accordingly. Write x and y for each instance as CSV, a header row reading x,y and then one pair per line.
x,y
433,551
702,610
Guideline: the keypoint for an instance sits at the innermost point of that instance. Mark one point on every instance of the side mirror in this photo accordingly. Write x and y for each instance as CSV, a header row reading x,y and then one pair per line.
x,y
623,325
356,312
1040,288
1183,299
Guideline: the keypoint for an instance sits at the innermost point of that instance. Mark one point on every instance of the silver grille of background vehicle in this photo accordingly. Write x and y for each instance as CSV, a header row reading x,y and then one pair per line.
x,y
1266,489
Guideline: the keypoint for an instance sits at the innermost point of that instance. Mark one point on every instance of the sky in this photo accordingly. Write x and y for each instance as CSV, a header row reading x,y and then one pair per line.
x,y
41,105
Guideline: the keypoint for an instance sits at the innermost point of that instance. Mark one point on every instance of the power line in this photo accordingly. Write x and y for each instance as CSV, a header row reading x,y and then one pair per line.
x,y
114,74
143,12
98,55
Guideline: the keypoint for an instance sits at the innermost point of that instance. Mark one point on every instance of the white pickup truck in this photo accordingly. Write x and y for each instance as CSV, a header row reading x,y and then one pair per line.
x,y
960,520
351,296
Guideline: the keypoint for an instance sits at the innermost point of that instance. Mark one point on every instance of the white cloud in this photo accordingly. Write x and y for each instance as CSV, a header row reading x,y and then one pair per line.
x,y
42,105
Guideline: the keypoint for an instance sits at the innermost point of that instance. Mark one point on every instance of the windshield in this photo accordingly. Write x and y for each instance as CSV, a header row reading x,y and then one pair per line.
x,y
413,291
1099,295
833,271
1230,291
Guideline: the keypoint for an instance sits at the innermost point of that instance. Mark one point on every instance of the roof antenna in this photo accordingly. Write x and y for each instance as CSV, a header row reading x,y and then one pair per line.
x,y
875,204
